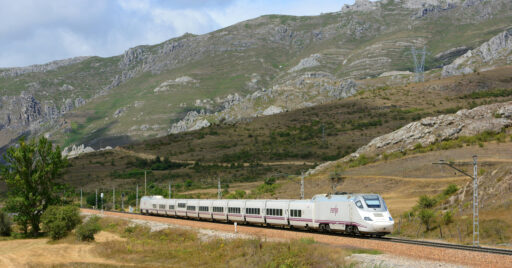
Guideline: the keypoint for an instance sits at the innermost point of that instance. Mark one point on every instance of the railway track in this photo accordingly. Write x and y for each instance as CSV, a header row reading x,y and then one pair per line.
x,y
497,251
447,245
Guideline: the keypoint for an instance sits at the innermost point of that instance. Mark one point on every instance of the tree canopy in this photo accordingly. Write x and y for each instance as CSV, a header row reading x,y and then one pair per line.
x,y
30,173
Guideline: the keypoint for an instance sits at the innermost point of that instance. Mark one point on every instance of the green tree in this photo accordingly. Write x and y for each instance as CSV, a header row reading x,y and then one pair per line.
x,y
30,173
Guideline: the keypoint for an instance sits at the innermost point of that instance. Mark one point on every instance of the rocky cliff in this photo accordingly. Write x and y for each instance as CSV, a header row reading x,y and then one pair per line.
x,y
495,52
429,130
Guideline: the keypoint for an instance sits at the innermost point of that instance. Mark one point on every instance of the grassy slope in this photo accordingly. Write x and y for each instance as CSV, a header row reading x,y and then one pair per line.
x,y
283,143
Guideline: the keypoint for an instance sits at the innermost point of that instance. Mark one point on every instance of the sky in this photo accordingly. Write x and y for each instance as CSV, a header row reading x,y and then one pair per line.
x,y
40,31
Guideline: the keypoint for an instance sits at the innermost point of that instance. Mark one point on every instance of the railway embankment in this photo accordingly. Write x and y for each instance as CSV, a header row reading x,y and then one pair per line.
x,y
419,252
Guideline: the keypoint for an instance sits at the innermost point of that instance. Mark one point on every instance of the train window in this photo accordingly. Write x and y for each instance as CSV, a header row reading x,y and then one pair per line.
x,y
154,205
296,213
204,208
372,201
171,206
254,211
218,209
274,212
161,206
359,204
191,208
234,210
181,205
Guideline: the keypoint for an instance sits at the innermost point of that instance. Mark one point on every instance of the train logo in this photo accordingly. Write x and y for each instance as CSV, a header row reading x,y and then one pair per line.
x,y
335,211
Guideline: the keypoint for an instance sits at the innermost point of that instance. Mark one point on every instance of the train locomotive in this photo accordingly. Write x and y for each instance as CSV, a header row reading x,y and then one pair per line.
x,y
358,214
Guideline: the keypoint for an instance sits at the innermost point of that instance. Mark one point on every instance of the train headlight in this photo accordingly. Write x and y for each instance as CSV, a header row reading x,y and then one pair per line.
x,y
390,219
368,219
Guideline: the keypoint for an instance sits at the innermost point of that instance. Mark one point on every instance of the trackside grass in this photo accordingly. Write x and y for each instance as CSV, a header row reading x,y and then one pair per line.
x,y
186,248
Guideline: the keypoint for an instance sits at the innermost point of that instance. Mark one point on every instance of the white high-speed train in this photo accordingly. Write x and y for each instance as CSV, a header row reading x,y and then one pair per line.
x,y
348,213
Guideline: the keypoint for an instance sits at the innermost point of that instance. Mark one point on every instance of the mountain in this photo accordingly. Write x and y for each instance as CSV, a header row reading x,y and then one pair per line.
x,y
258,67
295,141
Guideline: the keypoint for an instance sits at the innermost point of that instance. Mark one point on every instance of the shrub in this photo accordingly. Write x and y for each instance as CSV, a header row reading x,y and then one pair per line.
x,y
362,160
58,221
427,217
426,202
451,189
87,230
270,181
238,194
91,200
448,217
5,224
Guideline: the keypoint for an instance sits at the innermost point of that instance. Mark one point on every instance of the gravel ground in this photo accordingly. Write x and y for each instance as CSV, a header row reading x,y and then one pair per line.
x,y
447,256
388,261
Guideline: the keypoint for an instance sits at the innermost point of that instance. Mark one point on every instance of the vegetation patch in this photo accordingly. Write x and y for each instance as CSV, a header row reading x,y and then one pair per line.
x,y
58,221
494,93
87,230
179,247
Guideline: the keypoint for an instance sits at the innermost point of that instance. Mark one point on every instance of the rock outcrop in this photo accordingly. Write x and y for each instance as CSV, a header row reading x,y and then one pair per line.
x,y
11,72
361,5
272,110
308,62
429,130
301,91
491,53
192,121
168,85
75,151
25,114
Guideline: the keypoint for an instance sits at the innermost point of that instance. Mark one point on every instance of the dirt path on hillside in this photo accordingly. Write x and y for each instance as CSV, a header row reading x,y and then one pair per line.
x,y
475,259
151,157
38,252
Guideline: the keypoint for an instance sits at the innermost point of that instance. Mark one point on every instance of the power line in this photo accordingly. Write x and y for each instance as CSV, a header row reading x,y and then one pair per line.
x,y
476,221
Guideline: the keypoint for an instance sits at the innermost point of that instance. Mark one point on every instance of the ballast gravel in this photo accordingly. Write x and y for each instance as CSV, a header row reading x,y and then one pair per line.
x,y
393,261
439,256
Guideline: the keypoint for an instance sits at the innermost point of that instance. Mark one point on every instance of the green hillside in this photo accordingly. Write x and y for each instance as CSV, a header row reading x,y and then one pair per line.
x,y
250,56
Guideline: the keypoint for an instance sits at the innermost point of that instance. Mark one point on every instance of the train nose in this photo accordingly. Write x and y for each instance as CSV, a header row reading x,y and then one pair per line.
x,y
383,227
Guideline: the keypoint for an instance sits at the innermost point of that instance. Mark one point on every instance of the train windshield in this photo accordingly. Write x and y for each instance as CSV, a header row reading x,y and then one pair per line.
x,y
372,201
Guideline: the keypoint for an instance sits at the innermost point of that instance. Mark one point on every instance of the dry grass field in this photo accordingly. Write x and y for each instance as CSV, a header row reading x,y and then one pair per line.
x,y
123,244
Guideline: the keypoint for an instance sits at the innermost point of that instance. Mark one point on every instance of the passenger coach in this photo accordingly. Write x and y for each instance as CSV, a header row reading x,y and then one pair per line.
x,y
348,213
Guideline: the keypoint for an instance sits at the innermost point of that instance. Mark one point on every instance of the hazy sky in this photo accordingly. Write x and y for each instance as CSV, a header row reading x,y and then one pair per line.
x,y
39,31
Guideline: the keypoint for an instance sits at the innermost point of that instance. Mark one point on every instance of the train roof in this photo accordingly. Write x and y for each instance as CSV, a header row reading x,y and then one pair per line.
x,y
153,196
338,197
319,197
